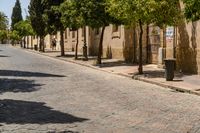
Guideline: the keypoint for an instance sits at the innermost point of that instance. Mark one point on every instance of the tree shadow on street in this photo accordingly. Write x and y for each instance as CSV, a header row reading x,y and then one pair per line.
x,y
26,112
18,85
4,56
26,74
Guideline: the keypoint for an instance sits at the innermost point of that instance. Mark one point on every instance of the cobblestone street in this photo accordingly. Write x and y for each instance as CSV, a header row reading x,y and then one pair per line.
x,y
39,94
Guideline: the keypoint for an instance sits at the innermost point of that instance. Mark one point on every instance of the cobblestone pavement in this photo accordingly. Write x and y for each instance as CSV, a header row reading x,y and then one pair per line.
x,y
43,95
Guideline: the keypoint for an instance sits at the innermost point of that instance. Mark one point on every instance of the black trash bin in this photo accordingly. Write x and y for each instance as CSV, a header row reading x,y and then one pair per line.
x,y
35,47
169,69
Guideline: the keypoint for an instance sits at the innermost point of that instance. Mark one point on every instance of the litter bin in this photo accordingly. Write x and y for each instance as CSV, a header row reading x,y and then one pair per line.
x,y
169,69
35,47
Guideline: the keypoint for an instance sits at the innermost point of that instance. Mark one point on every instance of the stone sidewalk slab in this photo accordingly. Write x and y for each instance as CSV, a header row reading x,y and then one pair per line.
x,y
152,74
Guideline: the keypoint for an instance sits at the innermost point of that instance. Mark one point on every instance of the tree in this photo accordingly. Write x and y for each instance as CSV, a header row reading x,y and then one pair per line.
x,y
3,35
53,18
72,18
187,52
166,13
3,27
13,35
16,14
36,11
143,12
24,29
94,15
3,21
133,13
192,10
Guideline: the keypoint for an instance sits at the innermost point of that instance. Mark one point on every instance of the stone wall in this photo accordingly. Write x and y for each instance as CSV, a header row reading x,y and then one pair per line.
x,y
188,47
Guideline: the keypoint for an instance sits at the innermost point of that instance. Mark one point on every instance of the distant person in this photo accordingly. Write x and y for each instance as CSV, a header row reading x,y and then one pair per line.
x,y
53,44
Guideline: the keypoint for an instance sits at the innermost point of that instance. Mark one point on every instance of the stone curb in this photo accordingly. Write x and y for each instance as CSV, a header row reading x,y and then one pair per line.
x,y
178,89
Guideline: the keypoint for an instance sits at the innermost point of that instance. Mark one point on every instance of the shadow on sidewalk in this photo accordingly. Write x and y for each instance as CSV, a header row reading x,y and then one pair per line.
x,y
108,63
18,85
25,112
26,74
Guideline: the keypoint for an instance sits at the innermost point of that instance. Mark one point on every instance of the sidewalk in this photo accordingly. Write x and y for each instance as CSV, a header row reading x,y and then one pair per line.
x,y
152,74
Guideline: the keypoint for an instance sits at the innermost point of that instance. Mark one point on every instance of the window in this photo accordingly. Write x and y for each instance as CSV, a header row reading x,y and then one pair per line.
x,y
115,28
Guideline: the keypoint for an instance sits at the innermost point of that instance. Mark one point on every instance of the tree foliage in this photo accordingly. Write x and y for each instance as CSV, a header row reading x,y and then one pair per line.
x,y
71,16
24,28
3,21
14,36
3,35
144,12
53,15
36,10
53,18
38,22
167,12
16,14
192,10
95,15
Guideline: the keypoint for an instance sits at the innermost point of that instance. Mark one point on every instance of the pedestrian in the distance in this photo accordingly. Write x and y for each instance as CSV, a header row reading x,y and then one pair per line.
x,y
53,44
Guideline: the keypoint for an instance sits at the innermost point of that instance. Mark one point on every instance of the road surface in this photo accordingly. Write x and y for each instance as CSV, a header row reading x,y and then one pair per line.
x,y
39,94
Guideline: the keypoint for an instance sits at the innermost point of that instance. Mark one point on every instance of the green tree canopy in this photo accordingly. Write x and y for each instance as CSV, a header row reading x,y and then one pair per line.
x,y
3,35
53,18
132,13
167,12
38,22
24,28
3,21
36,10
14,36
71,16
144,12
192,10
16,14
94,14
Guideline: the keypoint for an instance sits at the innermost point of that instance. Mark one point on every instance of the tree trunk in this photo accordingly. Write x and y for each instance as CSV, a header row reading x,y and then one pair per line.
x,y
28,42
24,42
76,52
100,52
140,69
164,41
21,43
42,44
85,46
147,46
134,45
31,42
174,41
62,47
